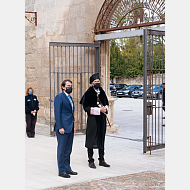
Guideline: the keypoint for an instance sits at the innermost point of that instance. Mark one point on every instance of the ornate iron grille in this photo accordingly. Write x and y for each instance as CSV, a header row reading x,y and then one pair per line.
x,y
137,13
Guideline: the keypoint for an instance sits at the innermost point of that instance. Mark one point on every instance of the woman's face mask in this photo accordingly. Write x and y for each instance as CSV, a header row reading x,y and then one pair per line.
x,y
30,92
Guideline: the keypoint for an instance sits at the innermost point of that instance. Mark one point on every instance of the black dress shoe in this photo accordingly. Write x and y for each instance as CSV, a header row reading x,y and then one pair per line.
x,y
103,163
92,165
65,175
72,172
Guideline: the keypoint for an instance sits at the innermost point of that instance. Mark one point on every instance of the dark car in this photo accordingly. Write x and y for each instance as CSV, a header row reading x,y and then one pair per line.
x,y
127,91
115,87
112,89
155,92
139,92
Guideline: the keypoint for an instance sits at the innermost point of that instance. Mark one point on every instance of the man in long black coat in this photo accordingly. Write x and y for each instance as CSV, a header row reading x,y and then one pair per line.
x,y
95,103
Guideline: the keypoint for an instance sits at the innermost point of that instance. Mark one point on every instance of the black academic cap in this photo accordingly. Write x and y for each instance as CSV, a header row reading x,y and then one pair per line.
x,y
94,77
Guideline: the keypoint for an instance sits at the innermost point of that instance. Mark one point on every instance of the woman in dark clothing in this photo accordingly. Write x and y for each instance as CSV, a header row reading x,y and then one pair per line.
x,y
31,109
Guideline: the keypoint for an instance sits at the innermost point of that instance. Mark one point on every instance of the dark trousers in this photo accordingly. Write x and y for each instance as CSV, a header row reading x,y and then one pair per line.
x,y
64,149
30,124
91,152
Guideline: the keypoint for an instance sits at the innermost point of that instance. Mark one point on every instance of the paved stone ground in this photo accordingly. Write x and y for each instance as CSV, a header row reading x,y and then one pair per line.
x,y
123,151
138,181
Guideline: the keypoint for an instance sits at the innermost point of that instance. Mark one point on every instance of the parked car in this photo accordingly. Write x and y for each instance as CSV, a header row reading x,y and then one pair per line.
x,y
113,90
115,87
155,92
139,92
127,91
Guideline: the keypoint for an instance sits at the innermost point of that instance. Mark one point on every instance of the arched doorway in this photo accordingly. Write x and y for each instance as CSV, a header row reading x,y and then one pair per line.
x,y
133,16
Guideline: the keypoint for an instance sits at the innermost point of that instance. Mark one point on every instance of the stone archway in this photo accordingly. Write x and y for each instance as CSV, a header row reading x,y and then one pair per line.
x,y
120,15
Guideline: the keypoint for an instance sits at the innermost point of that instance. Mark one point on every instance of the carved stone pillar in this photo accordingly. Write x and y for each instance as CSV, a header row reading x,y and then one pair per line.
x,y
105,81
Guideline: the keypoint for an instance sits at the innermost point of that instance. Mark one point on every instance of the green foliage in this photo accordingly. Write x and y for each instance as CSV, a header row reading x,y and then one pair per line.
x,y
116,61
126,57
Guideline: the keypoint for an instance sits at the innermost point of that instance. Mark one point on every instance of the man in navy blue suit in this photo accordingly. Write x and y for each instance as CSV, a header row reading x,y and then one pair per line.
x,y
64,127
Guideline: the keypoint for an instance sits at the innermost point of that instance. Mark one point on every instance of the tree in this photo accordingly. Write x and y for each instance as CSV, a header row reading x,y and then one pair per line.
x,y
116,60
126,56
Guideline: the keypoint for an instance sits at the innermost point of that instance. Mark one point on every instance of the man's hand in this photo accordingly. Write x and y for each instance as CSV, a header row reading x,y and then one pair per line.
x,y
103,109
62,131
32,112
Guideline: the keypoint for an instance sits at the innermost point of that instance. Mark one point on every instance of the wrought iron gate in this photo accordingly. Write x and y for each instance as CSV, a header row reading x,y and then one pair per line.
x,y
154,77
77,62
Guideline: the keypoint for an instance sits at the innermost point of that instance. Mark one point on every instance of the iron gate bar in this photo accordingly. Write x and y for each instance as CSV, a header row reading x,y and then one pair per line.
x,y
155,147
162,82
50,87
58,71
131,26
150,33
73,72
77,87
125,34
96,44
145,94
156,69
54,67
84,83
69,61
159,96
155,32
61,62
155,99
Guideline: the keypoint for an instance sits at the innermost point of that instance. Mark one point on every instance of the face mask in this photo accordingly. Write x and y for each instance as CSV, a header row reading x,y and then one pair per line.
x,y
30,93
68,90
97,85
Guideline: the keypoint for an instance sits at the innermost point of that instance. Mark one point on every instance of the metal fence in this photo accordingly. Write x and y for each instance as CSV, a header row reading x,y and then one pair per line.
x,y
154,77
77,62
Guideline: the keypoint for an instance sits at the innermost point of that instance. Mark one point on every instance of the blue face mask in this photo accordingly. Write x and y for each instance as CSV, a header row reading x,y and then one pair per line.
x,y
30,93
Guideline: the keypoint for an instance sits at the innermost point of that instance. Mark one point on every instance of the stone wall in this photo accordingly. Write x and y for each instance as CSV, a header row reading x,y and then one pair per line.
x,y
30,55
157,79
58,21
